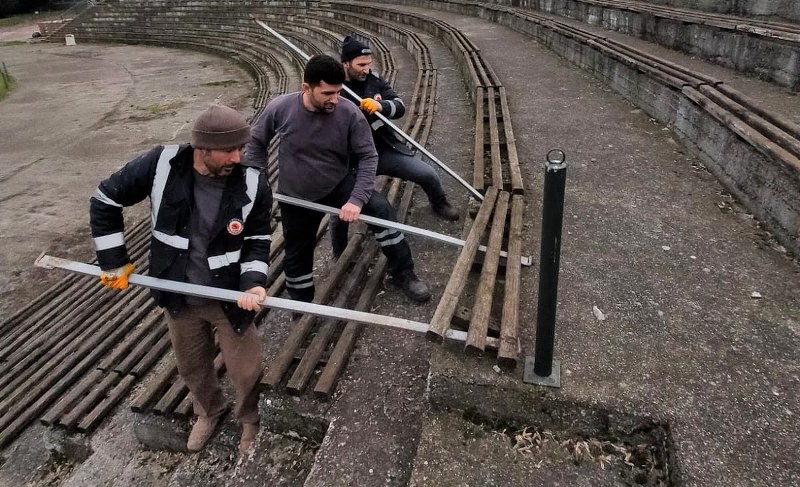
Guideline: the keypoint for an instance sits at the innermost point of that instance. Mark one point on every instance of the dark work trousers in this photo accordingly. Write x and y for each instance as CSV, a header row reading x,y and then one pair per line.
x,y
300,229
191,332
410,168
397,165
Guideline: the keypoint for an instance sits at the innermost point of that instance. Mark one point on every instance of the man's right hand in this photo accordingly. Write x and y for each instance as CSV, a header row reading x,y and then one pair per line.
x,y
369,105
349,212
117,278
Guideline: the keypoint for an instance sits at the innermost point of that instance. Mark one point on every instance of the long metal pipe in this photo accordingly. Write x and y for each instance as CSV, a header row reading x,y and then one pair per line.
x,y
52,262
385,120
525,260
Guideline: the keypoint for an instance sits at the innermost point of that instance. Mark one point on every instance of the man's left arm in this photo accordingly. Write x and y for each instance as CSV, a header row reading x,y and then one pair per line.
x,y
362,148
392,106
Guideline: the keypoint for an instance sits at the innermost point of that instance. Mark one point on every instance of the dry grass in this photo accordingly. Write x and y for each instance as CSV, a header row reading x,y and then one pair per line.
x,y
639,463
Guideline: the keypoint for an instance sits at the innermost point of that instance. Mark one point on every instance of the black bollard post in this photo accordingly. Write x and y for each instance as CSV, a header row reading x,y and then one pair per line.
x,y
546,370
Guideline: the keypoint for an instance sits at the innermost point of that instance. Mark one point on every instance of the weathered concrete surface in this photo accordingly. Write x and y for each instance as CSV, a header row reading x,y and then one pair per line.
x,y
655,242
773,57
77,114
456,452
766,185
785,9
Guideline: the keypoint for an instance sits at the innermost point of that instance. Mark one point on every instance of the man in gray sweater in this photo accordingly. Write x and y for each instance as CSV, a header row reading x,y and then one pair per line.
x,y
326,155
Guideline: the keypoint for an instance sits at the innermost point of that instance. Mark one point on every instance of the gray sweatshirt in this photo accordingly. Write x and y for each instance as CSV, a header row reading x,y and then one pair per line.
x,y
315,148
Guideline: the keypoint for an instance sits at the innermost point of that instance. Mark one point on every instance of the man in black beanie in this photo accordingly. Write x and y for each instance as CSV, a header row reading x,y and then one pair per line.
x,y
395,158
210,226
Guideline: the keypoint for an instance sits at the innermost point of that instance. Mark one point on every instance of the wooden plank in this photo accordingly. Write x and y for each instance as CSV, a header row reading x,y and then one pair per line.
x,y
81,314
46,301
305,369
154,389
171,397
479,325
517,185
477,61
133,341
61,364
478,177
157,328
756,139
280,364
186,408
36,305
72,417
96,416
508,352
178,390
29,338
152,356
455,286
67,401
494,140
344,346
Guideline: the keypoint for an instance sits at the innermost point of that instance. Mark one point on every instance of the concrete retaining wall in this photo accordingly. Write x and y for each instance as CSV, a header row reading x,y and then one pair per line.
x,y
766,186
768,57
784,9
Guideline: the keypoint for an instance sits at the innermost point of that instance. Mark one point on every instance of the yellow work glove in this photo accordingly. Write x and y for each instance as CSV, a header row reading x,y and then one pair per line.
x,y
369,105
117,278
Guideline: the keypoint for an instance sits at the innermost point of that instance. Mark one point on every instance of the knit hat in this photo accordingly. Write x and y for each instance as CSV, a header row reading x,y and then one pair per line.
x,y
220,127
352,48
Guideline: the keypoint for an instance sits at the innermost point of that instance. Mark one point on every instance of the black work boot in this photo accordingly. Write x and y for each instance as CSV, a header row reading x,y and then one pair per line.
x,y
415,289
445,211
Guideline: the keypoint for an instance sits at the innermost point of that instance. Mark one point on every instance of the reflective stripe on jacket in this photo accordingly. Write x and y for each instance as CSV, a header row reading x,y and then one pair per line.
x,y
238,252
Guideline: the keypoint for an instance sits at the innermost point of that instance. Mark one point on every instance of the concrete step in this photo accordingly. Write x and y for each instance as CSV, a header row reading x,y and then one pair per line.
x,y
455,451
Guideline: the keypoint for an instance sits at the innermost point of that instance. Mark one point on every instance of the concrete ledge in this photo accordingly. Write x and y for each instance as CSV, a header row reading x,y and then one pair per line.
x,y
462,383
766,185
786,9
771,55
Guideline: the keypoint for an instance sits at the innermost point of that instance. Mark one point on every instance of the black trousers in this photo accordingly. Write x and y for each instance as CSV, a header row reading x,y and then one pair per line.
x,y
300,229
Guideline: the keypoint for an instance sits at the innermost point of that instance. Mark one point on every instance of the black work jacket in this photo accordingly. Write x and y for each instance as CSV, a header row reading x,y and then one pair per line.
x,y
238,252
392,107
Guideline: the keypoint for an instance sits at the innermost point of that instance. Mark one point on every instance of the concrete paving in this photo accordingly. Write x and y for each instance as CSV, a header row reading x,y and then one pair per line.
x,y
650,238
77,114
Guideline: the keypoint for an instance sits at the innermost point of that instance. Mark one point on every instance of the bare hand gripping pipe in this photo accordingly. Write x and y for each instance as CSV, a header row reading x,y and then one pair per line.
x,y
385,120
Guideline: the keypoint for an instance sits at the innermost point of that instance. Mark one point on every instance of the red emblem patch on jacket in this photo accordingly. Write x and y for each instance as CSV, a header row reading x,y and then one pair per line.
x,y
235,226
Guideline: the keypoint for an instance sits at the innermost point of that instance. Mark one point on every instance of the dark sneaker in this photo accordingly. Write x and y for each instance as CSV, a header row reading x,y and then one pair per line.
x,y
415,289
445,211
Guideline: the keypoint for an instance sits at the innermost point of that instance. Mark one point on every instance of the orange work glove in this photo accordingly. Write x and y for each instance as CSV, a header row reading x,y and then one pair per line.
x,y
369,105
117,278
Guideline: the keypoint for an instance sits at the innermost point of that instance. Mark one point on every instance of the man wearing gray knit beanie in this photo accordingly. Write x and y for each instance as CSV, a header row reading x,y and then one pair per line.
x,y
210,226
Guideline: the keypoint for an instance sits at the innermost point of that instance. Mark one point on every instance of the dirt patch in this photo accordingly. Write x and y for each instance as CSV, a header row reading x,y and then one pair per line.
x,y
113,103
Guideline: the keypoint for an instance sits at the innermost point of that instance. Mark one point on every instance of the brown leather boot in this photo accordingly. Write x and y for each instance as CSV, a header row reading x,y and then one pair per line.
x,y
249,432
202,430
